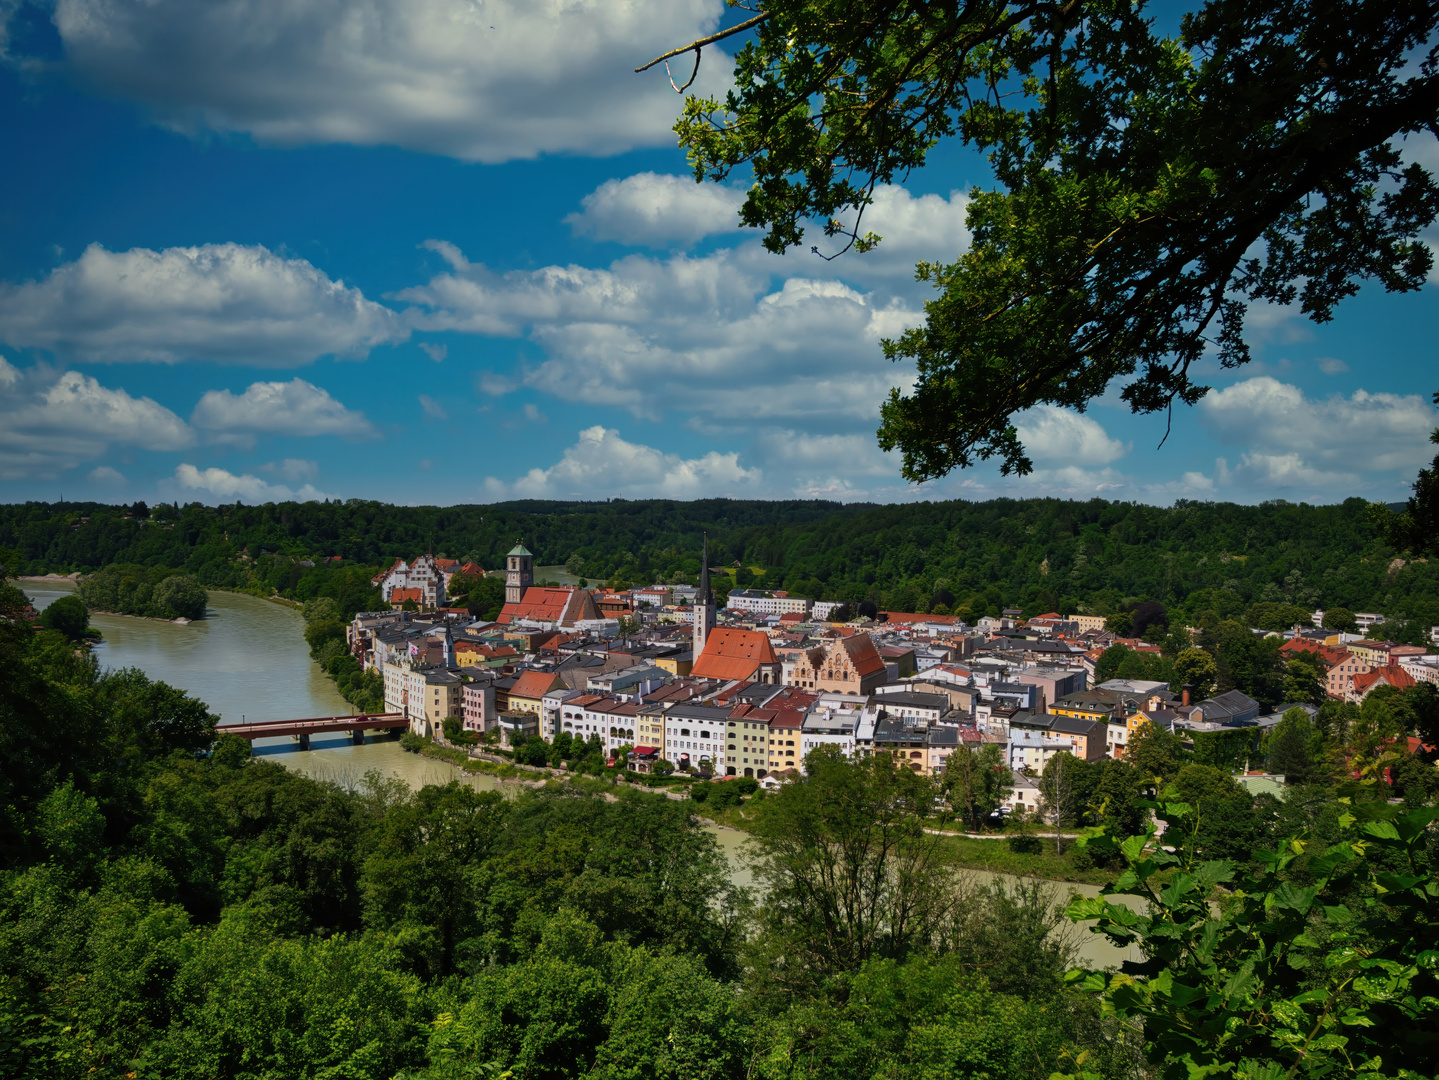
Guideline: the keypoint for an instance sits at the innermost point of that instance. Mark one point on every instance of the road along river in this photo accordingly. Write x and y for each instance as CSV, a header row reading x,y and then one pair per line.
x,y
247,660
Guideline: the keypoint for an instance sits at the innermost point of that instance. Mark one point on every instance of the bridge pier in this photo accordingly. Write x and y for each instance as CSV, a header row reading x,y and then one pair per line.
x,y
304,740
358,736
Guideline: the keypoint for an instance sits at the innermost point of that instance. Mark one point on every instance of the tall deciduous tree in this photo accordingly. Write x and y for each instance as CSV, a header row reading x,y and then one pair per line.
x,y
1149,186
976,782
848,872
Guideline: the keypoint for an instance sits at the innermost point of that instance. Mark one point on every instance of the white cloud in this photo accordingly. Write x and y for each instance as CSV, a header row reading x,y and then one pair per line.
x,y
656,209
51,422
707,334
292,470
1331,365
437,353
482,80
602,465
433,409
1339,436
107,477
281,408
225,487
220,302
1050,433
1283,473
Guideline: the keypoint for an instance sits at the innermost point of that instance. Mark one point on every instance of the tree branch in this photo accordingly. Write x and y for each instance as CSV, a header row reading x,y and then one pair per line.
x,y
738,28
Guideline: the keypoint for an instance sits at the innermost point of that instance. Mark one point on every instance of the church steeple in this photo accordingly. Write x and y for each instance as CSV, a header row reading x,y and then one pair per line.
x,y
704,609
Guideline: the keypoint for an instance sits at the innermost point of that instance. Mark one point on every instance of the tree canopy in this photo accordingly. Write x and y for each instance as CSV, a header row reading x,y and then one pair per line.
x,y
1149,185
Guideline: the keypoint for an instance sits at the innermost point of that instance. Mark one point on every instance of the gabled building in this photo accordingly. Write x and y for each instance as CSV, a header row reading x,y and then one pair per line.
x,y
850,665
423,575
743,655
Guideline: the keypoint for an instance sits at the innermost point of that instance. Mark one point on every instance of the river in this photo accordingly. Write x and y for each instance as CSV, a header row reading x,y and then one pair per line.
x,y
247,660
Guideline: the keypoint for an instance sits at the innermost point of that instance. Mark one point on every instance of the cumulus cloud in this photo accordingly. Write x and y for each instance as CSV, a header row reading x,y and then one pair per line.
x,y
601,464
1337,436
653,335
433,409
225,303
107,477
222,486
278,408
657,210
481,80
1050,433
50,422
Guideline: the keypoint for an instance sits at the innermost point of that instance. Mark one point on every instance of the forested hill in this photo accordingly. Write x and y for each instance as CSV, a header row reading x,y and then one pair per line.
x,y
1037,554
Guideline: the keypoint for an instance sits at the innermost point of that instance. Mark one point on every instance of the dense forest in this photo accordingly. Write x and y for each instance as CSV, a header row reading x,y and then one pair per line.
x,y
170,906
1043,554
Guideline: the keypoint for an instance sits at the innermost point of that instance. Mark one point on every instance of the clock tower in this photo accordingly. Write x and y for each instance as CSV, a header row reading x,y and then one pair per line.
x,y
519,573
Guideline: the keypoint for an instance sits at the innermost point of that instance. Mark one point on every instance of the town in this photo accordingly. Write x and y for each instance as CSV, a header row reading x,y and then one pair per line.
x,y
664,680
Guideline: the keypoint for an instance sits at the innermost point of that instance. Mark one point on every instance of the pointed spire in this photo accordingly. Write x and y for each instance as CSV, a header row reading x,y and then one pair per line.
x,y
704,589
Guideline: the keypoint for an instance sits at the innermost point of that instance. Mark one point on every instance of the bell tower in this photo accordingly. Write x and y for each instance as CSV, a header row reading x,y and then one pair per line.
x,y
519,573
704,609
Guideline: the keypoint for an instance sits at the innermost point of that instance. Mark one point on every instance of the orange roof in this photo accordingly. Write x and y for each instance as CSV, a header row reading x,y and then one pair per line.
x,y
862,653
733,654
534,684
549,604
1330,654
1393,675
445,564
399,596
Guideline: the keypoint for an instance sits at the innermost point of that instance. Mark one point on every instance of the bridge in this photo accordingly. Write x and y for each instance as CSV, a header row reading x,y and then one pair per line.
x,y
316,725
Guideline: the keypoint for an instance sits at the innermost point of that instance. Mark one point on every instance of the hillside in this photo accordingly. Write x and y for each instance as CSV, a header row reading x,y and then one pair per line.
x,y
1038,554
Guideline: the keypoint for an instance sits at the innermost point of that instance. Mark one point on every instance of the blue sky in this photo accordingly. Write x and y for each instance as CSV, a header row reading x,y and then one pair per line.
x,y
446,251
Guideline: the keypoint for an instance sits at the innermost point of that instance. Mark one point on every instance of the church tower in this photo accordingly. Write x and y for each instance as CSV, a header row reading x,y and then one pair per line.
x,y
704,611
519,573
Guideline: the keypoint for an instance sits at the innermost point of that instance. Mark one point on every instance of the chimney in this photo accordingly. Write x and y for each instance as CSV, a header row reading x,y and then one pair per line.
x,y
1185,690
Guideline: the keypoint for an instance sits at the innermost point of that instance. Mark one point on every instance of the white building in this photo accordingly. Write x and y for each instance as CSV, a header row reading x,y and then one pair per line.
x,y
425,574
754,602
696,733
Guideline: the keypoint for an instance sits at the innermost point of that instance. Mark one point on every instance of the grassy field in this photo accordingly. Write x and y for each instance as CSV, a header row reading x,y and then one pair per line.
x,y
996,856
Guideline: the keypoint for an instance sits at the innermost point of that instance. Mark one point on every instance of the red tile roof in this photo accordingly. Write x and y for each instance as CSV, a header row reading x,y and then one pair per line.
x,y
399,596
862,653
787,718
917,617
534,685
733,654
548,604
1330,654
1393,675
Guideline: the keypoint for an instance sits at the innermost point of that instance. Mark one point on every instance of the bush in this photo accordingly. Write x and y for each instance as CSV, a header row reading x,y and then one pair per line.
x,y
411,742
1025,844
69,615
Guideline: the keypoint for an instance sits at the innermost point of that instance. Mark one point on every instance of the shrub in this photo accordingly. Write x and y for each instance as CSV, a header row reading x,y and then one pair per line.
x,y
1025,844
411,742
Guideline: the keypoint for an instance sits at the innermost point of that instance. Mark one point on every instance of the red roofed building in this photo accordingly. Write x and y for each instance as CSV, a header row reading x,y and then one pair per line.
x,y
546,604
731,654
525,695
851,665
1363,684
399,596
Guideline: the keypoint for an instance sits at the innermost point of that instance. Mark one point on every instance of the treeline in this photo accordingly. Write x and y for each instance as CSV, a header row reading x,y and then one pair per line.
x,y
1098,557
